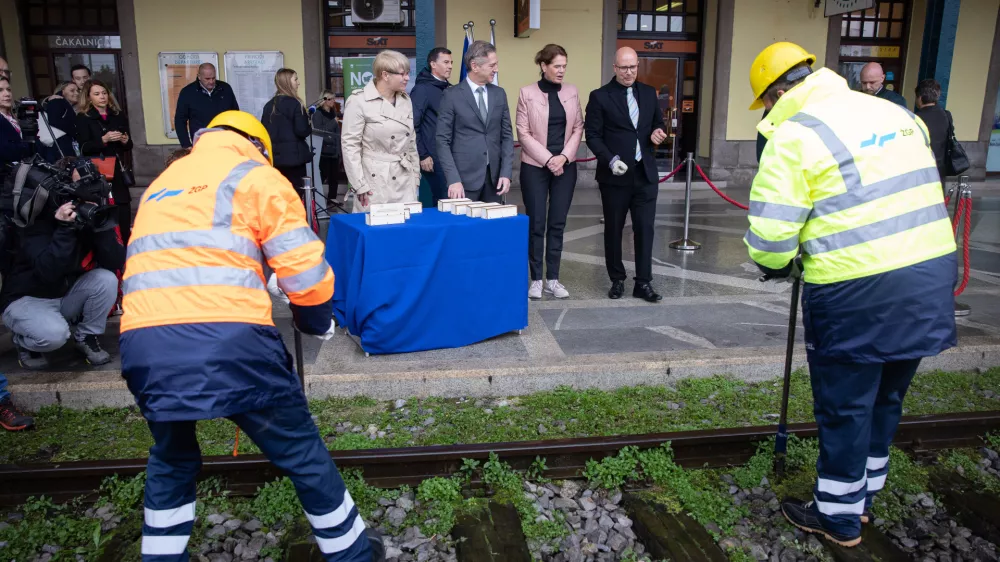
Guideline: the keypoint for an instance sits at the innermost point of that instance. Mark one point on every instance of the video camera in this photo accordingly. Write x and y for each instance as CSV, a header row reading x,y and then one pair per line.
x,y
33,183
27,119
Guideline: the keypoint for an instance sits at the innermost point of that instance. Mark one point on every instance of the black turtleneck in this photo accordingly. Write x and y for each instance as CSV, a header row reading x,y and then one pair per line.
x,y
556,138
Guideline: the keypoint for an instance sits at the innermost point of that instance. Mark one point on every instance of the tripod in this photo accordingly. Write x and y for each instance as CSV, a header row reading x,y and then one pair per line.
x,y
318,209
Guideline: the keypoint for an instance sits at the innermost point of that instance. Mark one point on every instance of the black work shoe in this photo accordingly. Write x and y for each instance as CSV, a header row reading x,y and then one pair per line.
x,y
617,289
805,516
645,292
91,348
31,360
376,544
12,419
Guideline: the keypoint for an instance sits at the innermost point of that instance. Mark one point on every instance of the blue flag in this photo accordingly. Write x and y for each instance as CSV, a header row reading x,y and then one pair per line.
x,y
465,49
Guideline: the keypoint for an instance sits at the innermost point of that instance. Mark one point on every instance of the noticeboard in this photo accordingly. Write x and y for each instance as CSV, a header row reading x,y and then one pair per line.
x,y
251,76
178,69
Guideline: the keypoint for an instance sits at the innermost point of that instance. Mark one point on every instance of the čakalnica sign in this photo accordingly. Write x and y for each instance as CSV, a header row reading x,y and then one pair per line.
x,y
836,7
85,42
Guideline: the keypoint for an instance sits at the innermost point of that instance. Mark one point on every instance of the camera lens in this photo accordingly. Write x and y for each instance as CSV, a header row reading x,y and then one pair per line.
x,y
94,216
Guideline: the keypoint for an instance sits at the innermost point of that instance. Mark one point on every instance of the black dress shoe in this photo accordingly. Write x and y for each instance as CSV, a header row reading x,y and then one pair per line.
x,y
645,292
617,289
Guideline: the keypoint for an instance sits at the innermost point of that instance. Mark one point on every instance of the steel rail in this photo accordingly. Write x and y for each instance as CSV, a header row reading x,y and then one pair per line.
x,y
565,458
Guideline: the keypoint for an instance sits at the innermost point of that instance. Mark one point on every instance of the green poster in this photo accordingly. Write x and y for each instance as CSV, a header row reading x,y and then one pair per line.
x,y
357,73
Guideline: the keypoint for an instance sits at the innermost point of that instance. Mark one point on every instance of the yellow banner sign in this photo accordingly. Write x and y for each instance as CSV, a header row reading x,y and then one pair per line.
x,y
870,51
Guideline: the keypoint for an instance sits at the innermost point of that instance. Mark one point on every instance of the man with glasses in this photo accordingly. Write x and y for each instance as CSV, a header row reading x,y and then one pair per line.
x,y
200,101
624,124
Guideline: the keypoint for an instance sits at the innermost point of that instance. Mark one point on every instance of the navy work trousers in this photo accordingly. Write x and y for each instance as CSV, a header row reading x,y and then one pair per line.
x,y
289,438
857,409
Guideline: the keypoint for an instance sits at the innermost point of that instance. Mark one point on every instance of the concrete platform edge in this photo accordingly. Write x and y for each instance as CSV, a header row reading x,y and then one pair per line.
x,y
501,381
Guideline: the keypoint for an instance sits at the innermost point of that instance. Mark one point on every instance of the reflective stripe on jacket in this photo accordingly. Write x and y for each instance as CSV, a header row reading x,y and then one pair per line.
x,y
203,232
851,179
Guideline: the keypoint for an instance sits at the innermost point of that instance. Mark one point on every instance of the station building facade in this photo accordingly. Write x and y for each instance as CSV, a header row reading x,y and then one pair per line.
x,y
696,53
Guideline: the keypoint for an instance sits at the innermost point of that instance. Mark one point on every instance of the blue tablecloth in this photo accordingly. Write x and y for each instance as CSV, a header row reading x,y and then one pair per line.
x,y
437,281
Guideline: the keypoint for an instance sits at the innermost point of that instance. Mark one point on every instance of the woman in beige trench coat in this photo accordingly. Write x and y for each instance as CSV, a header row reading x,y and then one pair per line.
x,y
378,142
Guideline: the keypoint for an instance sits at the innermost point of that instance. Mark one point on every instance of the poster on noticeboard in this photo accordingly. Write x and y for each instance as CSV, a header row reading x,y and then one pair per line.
x,y
178,69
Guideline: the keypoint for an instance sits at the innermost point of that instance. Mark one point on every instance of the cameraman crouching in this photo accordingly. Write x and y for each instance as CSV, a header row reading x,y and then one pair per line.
x,y
62,275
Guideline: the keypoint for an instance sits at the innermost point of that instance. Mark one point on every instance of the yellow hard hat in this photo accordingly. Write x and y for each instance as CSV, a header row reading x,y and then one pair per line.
x,y
771,63
247,124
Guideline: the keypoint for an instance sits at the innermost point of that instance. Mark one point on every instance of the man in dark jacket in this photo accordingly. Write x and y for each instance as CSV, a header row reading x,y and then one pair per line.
x,y
873,82
426,97
937,119
624,125
200,101
62,275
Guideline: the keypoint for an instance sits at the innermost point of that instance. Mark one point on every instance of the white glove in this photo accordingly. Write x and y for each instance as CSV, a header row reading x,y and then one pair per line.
x,y
272,287
619,168
329,333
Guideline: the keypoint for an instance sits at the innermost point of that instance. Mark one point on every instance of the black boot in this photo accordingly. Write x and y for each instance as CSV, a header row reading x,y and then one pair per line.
x,y
805,516
31,360
376,544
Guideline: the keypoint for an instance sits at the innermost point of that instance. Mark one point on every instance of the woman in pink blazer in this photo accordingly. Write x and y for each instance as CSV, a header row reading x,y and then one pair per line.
x,y
549,128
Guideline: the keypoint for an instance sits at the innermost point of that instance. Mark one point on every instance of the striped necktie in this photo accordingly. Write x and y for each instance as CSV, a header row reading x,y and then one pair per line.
x,y
633,112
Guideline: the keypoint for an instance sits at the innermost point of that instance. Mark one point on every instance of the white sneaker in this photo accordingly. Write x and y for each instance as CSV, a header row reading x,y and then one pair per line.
x,y
272,287
556,288
535,290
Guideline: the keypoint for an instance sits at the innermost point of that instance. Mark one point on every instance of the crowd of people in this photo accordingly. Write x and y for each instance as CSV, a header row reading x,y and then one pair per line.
x,y
198,340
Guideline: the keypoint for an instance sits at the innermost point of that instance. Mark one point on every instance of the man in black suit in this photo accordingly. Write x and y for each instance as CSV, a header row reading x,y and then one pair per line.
x,y
624,124
873,82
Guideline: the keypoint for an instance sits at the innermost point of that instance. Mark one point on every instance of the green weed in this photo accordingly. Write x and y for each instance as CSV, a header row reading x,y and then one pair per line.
x,y
275,502
441,499
123,493
611,473
46,523
110,433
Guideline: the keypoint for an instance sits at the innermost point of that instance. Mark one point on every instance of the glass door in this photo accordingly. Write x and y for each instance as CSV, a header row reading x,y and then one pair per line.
x,y
662,74
105,67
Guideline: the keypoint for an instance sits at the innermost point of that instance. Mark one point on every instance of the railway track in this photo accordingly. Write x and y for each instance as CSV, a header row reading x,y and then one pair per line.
x,y
566,458
496,535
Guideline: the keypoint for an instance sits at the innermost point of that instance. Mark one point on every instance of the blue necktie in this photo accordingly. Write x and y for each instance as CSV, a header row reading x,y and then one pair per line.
x,y
633,112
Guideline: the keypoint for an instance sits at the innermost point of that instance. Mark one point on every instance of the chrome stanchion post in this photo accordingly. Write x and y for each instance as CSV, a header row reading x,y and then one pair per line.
x,y
964,192
686,243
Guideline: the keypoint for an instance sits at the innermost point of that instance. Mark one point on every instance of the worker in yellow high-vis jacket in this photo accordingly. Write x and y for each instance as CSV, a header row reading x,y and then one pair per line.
x,y
850,182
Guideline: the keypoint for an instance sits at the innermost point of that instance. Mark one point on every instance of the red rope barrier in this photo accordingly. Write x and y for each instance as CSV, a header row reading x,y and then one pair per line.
x,y
965,210
671,174
716,189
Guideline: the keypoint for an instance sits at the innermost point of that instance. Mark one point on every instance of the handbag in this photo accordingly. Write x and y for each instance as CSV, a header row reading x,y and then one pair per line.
x,y
956,160
127,177
105,165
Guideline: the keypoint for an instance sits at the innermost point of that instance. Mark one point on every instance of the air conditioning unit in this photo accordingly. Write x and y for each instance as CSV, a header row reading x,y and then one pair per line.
x,y
375,11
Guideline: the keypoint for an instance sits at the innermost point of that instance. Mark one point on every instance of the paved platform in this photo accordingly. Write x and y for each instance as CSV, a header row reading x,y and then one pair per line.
x,y
716,317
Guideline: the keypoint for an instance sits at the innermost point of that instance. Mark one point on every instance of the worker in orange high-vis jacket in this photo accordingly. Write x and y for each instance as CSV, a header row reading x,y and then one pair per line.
x,y
198,341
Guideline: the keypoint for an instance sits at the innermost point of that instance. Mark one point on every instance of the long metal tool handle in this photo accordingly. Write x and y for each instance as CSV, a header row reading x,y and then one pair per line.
x,y
307,188
781,439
